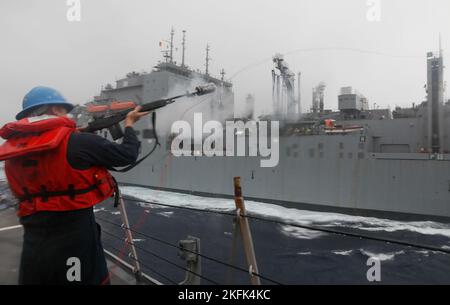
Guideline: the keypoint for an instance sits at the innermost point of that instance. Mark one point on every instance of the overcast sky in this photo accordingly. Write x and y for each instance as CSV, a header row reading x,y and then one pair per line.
x,y
39,46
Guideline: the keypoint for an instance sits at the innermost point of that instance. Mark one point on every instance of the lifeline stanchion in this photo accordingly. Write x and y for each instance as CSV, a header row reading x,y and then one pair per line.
x,y
129,238
245,232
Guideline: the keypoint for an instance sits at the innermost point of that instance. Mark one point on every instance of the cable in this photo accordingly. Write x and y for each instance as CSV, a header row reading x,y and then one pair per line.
x,y
362,51
255,64
175,265
162,258
194,252
140,262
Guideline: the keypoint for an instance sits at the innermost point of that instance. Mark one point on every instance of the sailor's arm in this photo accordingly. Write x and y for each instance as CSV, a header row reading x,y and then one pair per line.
x,y
86,150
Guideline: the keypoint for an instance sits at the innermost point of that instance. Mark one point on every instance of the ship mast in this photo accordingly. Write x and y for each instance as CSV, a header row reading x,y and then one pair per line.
x,y
299,102
184,48
207,59
435,98
172,32
222,79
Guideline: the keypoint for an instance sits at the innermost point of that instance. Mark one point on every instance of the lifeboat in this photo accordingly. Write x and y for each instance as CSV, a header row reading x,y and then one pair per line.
x,y
114,106
344,130
122,105
97,108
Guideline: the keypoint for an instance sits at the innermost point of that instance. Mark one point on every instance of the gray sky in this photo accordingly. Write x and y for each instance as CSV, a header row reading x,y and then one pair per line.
x,y
40,47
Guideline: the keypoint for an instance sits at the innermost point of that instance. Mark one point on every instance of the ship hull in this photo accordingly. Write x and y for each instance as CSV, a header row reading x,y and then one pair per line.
x,y
327,173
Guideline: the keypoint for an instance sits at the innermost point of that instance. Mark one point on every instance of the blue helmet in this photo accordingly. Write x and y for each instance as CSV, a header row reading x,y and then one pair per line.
x,y
40,96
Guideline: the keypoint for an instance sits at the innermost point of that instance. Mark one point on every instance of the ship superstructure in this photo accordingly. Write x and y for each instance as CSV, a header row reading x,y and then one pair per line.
x,y
355,160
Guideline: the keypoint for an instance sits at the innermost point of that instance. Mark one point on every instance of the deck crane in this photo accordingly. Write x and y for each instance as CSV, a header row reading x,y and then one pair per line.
x,y
284,101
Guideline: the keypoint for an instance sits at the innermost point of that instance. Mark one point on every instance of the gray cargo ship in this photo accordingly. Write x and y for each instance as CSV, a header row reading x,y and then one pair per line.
x,y
355,160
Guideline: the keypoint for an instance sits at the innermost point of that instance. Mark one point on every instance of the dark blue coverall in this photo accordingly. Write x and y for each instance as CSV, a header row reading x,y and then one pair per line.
x,y
50,238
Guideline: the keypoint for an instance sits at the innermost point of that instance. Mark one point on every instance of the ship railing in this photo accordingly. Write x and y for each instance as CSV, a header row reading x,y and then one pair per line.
x,y
189,249
238,215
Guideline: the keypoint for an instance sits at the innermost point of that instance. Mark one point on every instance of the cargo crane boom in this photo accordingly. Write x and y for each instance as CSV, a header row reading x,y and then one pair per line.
x,y
284,102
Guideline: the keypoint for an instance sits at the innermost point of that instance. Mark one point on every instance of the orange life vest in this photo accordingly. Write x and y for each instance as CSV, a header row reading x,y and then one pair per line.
x,y
38,172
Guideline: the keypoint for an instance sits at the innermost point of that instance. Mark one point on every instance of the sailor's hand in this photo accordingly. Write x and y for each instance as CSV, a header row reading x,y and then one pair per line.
x,y
134,116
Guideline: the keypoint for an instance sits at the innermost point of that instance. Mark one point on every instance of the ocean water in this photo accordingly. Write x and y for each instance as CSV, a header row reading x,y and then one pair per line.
x,y
285,253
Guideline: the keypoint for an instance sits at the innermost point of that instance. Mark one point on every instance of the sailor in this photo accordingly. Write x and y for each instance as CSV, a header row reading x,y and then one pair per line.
x,y
58,175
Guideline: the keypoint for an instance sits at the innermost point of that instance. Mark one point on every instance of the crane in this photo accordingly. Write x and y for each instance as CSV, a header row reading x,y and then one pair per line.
x,y
284,100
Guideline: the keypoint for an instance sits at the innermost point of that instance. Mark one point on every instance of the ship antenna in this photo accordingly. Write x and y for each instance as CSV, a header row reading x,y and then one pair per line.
x,y
441,53
184,48
172,32
299,102
207,59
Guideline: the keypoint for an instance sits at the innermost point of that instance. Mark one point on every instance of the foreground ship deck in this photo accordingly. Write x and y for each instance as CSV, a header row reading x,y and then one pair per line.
x,y
11,247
